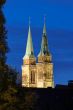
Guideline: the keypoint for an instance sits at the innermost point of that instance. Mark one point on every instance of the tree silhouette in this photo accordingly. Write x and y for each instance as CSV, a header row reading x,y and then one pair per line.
x,y
3,38
7,74
2,2
10,98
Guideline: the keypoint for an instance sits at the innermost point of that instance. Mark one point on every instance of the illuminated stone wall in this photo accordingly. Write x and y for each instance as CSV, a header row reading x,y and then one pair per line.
x,y
38,75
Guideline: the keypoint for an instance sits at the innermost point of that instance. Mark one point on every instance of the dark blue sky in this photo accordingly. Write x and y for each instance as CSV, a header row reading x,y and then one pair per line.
x,y
59,22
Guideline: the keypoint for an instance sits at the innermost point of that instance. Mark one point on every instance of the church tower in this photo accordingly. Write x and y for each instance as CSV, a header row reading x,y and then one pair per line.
x,y
29,64
37,74
44,65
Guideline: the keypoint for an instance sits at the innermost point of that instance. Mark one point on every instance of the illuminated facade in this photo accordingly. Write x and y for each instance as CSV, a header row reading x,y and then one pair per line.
x,y
37,74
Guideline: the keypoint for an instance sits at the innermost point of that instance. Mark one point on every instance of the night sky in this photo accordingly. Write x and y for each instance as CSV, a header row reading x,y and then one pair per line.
x,y
59,23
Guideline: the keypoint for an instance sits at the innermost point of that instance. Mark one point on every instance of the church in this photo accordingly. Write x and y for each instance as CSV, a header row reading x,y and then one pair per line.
x,y
37,73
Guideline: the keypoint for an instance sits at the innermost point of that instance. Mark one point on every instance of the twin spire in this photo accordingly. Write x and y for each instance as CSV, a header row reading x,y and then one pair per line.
x,y
29,48
44,44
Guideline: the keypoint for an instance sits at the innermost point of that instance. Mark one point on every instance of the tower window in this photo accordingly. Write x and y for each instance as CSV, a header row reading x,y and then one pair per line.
x,y
48,76
32,78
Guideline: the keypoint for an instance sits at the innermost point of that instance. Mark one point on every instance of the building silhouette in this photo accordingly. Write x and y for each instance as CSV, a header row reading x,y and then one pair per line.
x,y
58,98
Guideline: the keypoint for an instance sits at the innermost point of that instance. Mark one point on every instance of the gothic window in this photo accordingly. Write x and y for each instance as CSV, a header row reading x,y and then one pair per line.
x,y
32,77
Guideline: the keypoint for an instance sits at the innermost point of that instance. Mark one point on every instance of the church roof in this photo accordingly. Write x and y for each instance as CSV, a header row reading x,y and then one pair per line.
x,y
44,45
29,47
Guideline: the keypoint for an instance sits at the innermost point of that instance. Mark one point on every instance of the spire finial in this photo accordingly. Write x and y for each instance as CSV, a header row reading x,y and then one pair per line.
x,y
44,29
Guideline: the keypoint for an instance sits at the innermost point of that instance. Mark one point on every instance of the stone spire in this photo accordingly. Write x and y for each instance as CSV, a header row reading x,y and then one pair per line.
x,y
44,29
29,47
44,44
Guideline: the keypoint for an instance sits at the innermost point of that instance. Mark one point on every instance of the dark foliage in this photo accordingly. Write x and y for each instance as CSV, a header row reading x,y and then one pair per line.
x,y
3,38
2,2
7,74
12,97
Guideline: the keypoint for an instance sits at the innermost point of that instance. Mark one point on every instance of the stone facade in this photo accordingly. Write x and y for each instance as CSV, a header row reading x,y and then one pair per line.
x,y
37,74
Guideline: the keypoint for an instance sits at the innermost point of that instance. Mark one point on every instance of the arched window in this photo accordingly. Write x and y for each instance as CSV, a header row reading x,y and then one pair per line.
x,y
32,77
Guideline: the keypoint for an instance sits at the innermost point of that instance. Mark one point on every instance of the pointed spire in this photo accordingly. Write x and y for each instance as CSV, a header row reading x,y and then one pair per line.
x,y
44,45
44,29
29,47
